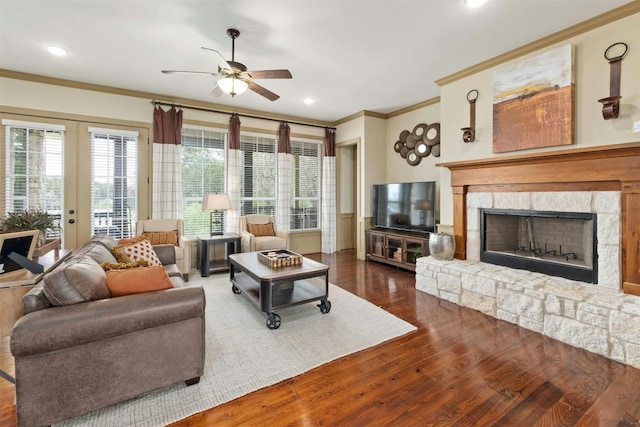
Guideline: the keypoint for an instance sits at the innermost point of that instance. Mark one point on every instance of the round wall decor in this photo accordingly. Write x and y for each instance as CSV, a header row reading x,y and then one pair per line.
x,y
419,143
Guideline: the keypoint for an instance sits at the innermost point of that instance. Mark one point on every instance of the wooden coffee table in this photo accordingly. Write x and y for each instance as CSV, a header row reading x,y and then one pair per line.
x,y
270,289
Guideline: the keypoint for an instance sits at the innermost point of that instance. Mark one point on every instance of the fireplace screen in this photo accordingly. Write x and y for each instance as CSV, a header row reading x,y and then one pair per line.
x,y
560,244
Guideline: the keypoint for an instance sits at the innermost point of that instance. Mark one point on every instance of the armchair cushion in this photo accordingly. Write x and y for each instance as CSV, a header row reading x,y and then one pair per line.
x,y
162,237
137,280
261,230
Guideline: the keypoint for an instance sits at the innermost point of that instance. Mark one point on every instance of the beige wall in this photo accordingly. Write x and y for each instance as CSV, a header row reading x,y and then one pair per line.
x,y
592,83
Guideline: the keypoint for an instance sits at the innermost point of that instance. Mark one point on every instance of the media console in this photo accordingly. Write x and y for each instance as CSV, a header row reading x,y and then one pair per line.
x,y
398,248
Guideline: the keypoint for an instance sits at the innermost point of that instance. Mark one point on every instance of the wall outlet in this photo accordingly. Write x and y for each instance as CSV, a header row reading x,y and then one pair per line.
x,y
636,126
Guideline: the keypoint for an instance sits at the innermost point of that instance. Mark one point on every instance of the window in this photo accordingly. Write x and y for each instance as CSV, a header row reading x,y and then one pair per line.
x,y
305,185
258,186
33,169
114,182
203,172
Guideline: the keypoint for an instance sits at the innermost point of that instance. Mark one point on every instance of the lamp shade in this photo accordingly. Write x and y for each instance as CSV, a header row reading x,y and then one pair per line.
x,y
232,85
216,202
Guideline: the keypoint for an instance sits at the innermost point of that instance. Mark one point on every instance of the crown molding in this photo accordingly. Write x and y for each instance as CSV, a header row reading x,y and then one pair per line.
x,y
414,107
613,15
36,78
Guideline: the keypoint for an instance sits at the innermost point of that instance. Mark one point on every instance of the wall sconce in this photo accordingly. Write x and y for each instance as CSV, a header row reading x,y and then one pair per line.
x,y
469,134
217,203
611,104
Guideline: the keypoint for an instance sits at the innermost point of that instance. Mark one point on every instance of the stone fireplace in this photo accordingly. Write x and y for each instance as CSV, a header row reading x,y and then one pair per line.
x,y
602,187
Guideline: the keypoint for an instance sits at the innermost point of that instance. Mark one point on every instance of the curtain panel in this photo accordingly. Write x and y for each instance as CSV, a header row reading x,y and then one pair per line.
x,y
234,162
283,202
329,192
167,163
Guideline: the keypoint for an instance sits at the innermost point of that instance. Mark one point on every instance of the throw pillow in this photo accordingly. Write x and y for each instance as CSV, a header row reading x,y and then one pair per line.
x,y
106,266
261,230
162,237
130,252
137,280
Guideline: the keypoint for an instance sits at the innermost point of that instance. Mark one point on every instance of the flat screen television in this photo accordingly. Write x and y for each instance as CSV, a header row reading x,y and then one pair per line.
x,y
409,206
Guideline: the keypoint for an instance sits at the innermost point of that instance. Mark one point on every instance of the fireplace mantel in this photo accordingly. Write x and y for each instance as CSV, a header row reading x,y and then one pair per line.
x,y
604,168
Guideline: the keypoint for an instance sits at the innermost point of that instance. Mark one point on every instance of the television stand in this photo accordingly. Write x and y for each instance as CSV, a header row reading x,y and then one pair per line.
x,y
394,247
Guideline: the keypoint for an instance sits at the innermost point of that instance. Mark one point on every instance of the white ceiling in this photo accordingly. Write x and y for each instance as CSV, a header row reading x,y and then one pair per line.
x,y
350,55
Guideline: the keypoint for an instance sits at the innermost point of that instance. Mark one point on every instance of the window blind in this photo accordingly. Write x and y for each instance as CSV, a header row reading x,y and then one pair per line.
x,y
114,182
33,168
305,176
203,172
258,180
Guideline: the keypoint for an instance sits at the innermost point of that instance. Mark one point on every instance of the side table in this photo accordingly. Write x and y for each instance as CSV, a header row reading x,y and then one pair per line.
x,y
205,264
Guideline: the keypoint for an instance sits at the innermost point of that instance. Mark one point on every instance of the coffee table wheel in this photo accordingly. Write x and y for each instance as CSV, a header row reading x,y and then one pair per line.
x,y
235,289
325,306
273,321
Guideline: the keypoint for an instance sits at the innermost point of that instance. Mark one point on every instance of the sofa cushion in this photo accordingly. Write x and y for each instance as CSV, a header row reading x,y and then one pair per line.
x,y
141,249
94,250
137,280
162,237
104,239
77,281
260,230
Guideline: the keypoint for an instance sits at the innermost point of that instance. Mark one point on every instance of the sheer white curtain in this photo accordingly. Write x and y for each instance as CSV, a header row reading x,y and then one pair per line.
x,y
283,204
167,163
234,177
329,193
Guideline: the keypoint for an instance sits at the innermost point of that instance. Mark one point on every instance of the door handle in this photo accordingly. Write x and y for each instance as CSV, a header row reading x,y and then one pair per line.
x,y
72,221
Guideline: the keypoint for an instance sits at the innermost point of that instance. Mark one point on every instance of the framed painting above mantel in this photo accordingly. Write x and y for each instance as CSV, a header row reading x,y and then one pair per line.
x,y
534,102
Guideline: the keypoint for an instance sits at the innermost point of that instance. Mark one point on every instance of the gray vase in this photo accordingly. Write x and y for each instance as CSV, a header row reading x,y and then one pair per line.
x,y
442,246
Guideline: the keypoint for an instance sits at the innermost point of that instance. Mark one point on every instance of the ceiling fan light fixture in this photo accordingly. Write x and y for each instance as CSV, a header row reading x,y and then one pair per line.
x,y
232,86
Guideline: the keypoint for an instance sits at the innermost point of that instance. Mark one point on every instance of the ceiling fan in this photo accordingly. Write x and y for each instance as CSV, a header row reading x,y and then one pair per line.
x,y
233,76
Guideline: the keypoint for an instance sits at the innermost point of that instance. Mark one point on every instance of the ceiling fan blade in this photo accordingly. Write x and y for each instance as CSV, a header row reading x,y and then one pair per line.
x,y
222,60
270,74
190,72
262,91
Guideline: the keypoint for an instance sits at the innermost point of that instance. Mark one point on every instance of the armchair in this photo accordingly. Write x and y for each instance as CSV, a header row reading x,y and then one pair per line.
x,y
257,238
158,231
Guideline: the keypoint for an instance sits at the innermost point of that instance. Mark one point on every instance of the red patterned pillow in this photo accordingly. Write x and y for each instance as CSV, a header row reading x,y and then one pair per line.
x,y
131,252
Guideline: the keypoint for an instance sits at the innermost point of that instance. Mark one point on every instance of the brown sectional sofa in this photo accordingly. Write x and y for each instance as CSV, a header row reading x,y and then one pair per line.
x,y
76,349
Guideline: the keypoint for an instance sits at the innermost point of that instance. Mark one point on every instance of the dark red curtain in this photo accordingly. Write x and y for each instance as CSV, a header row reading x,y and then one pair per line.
x,y
284,140
329,142
167,126
234,132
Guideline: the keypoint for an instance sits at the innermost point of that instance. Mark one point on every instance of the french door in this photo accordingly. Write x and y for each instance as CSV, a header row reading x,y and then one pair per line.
x,y
92,176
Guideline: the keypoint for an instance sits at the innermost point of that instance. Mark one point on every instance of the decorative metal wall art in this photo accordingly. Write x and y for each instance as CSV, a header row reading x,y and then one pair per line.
x,y
419,143
469,133
611,104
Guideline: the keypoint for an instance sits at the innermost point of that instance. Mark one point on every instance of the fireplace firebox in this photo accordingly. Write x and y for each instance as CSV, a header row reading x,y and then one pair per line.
x,y
562,244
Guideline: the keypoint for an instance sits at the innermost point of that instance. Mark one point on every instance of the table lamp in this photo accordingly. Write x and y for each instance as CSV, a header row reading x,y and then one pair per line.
x,y
217,204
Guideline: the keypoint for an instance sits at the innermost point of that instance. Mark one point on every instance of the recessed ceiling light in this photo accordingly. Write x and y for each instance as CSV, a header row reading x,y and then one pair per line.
x,y
57,50
474,3
309,100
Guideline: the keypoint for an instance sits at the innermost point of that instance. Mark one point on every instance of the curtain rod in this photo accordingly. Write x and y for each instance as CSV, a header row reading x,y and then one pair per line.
x,y
211,110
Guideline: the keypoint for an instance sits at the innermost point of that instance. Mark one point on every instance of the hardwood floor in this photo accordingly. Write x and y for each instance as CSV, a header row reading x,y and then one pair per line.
x,y
460,368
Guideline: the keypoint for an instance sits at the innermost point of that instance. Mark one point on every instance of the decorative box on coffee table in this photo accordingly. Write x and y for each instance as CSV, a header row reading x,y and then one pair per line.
x,y
271,288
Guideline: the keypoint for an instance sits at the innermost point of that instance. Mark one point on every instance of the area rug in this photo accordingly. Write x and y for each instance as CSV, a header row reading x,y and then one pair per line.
x,y
243,355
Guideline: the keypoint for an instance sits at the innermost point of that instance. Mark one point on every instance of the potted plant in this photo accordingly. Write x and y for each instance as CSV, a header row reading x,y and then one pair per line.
x,y
31,219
